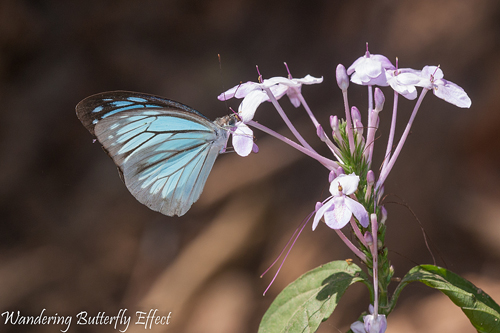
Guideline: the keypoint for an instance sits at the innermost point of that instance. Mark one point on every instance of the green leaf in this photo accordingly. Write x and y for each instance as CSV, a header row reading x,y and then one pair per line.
x,y
479,307
311,299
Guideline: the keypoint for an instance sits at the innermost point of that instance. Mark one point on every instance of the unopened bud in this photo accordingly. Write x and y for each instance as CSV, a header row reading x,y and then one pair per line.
x,y
355,114
334,123
370,177
342,78
320,133
379,100
368,239
380,193
383,211
331,176
359,127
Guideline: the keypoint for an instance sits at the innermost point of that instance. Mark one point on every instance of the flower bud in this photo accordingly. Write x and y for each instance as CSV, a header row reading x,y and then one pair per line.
x,y
370,178
332,176
380,193
373,218
320,133
334,123
342,78
355,114
368,239
359,127
383,211
379,100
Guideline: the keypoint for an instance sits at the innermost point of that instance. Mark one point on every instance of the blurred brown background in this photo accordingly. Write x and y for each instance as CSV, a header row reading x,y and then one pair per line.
x,y
73,239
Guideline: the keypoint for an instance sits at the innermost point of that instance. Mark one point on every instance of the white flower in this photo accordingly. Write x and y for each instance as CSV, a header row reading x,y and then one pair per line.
x,y
370,323
403,81
254,94
370,70
431,77
339,208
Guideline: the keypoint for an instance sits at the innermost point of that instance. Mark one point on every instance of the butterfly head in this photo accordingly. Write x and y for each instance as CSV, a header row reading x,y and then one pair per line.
x,y
228,121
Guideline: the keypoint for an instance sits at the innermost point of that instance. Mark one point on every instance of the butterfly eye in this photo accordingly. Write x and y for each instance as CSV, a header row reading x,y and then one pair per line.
x,y
233,119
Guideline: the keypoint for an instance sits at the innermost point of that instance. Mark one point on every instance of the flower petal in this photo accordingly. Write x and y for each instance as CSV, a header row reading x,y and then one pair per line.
x,y
348,183
320,212
452,93
238,91
309,79
358,210
358,327
242,139
249,105
340,215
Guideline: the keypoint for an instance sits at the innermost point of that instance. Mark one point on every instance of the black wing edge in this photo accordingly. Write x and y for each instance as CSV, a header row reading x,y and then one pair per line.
x,y
85,108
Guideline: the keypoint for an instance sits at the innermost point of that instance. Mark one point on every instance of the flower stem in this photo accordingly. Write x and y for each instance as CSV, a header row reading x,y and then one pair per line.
x,y
391,131
385,171
287,120
308,110
329,164
348,122
374,251
350,245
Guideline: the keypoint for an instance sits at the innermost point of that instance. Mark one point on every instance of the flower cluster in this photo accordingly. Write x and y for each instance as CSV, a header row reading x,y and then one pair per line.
x,y
355,190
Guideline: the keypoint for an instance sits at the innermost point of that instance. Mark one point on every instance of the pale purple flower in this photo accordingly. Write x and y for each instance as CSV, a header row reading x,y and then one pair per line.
x,y
294,89
339,208
254,94
370,323
431,77
370,70
403,81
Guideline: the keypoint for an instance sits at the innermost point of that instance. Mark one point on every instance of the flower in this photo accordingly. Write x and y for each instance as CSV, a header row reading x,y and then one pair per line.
x,y
339,208
370,70
254,94
403,81
431,77
370,324
293,90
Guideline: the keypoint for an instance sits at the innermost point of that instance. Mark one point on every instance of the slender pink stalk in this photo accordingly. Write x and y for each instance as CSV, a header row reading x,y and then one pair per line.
x,y
374,251
391,131
329,164
385,171
308,110
287,120
348,122
350,245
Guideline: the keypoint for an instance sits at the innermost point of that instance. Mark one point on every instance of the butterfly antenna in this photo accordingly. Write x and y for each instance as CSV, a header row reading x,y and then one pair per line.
x,y
222,78
222,84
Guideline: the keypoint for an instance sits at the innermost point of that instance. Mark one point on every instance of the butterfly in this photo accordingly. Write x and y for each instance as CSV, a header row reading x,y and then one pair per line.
x,y
164,150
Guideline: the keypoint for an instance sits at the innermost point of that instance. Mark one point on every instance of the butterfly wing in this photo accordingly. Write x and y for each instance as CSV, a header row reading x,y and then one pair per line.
x,y
163,149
